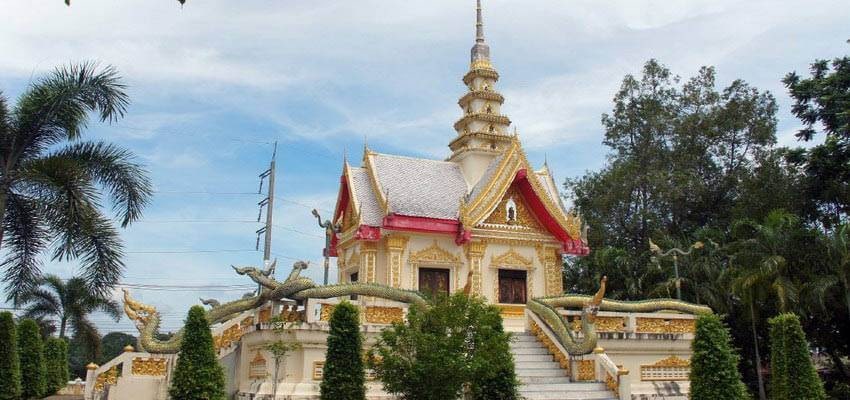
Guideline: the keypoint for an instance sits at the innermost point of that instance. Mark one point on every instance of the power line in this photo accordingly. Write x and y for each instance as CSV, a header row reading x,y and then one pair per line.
x,y
192,251
206,192
200,221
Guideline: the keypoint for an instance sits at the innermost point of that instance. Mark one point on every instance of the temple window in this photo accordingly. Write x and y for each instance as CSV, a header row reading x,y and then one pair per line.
x,y
489,109
434,281
512,286
491,129
485,87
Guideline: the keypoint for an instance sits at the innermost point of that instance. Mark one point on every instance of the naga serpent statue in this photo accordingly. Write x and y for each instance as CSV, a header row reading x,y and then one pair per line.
x,y
147,318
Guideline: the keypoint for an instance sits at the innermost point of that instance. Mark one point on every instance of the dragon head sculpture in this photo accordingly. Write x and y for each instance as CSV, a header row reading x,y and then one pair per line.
x,y
139,313
592,306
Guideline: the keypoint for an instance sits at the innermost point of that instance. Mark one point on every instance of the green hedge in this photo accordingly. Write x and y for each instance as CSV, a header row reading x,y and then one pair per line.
x,y
56,364
31,351
198,375
792,372
10,367
343,375
714,365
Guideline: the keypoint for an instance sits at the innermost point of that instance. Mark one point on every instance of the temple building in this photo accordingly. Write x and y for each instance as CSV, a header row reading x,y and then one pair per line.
x,y
482,221
482,218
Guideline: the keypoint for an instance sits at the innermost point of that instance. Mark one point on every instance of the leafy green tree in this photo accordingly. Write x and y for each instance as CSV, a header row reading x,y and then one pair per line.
x,y
793,374
56,364
51,184
823,99
343,376
68,304
198,375
458,342
10,364
714,364
678,155
112,345
31,352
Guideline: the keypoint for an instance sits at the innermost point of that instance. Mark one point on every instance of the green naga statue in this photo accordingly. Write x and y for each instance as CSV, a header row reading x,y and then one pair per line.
x,y
295,287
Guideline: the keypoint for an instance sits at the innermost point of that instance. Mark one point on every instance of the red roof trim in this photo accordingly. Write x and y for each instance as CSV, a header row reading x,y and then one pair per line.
x,y
420,224
571,245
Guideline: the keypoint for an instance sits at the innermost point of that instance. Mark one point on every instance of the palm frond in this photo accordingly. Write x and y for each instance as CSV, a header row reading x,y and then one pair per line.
x,y
101,253
86,334
115,169
56,107
25,238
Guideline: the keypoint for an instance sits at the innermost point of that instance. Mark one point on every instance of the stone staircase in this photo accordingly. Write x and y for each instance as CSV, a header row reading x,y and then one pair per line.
x,y
541,378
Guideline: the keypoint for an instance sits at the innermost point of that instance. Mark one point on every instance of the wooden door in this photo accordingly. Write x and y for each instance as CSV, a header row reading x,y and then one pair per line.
x,y
434,281
512,287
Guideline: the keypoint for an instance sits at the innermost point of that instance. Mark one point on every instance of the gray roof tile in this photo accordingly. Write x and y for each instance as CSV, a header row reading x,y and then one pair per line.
x,y
420,187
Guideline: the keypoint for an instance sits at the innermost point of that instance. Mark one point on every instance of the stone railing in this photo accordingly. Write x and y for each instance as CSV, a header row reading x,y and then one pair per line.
x,y
620,325
615,378
145,375
372,311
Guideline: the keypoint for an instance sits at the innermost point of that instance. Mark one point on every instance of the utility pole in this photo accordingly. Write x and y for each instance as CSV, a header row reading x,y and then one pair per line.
x,y
268,203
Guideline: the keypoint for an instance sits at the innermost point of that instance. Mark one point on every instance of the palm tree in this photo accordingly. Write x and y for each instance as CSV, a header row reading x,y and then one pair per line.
x,y
51,184
762,270
838,261
68,304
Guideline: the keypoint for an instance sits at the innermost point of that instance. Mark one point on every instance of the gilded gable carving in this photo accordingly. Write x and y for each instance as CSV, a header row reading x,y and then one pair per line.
x,y
511,258
434,254
513,210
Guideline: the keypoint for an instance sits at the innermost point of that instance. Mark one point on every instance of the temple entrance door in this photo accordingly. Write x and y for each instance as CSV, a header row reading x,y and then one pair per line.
x,y
512,287
434,281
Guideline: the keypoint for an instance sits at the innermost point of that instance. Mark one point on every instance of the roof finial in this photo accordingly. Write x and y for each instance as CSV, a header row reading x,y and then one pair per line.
x,y
481,51
479,24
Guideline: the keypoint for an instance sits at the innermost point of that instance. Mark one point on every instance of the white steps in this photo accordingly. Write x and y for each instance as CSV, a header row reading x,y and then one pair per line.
x,y
541,378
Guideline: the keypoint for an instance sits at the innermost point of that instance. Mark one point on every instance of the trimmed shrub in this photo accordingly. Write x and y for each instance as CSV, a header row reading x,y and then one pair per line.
x,y
457,343
31,352
792,372
56,364
198,375
343,375
714,365
10,367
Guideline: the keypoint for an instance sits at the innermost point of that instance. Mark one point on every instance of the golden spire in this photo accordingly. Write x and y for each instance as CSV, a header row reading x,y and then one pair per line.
x,y
480,55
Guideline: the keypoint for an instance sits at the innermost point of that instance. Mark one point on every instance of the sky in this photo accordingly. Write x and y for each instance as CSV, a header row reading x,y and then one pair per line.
x,y
214,83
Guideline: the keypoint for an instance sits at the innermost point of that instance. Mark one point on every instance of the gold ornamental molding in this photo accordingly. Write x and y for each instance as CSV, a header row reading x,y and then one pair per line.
x,y
603,324
107,378
397,242
480,71
143,366
667,326
384,315
481,95
586,370
434,255
562,359
511,259
325,313
512,311
483,117
353,260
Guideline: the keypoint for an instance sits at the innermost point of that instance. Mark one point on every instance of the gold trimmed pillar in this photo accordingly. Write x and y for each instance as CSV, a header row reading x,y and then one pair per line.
x,y
552,270
475,256
368,260
396,244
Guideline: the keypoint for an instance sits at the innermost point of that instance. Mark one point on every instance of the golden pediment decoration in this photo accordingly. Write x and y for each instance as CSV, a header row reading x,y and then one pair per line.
x,y
258,367
513,210
434,254
511,258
